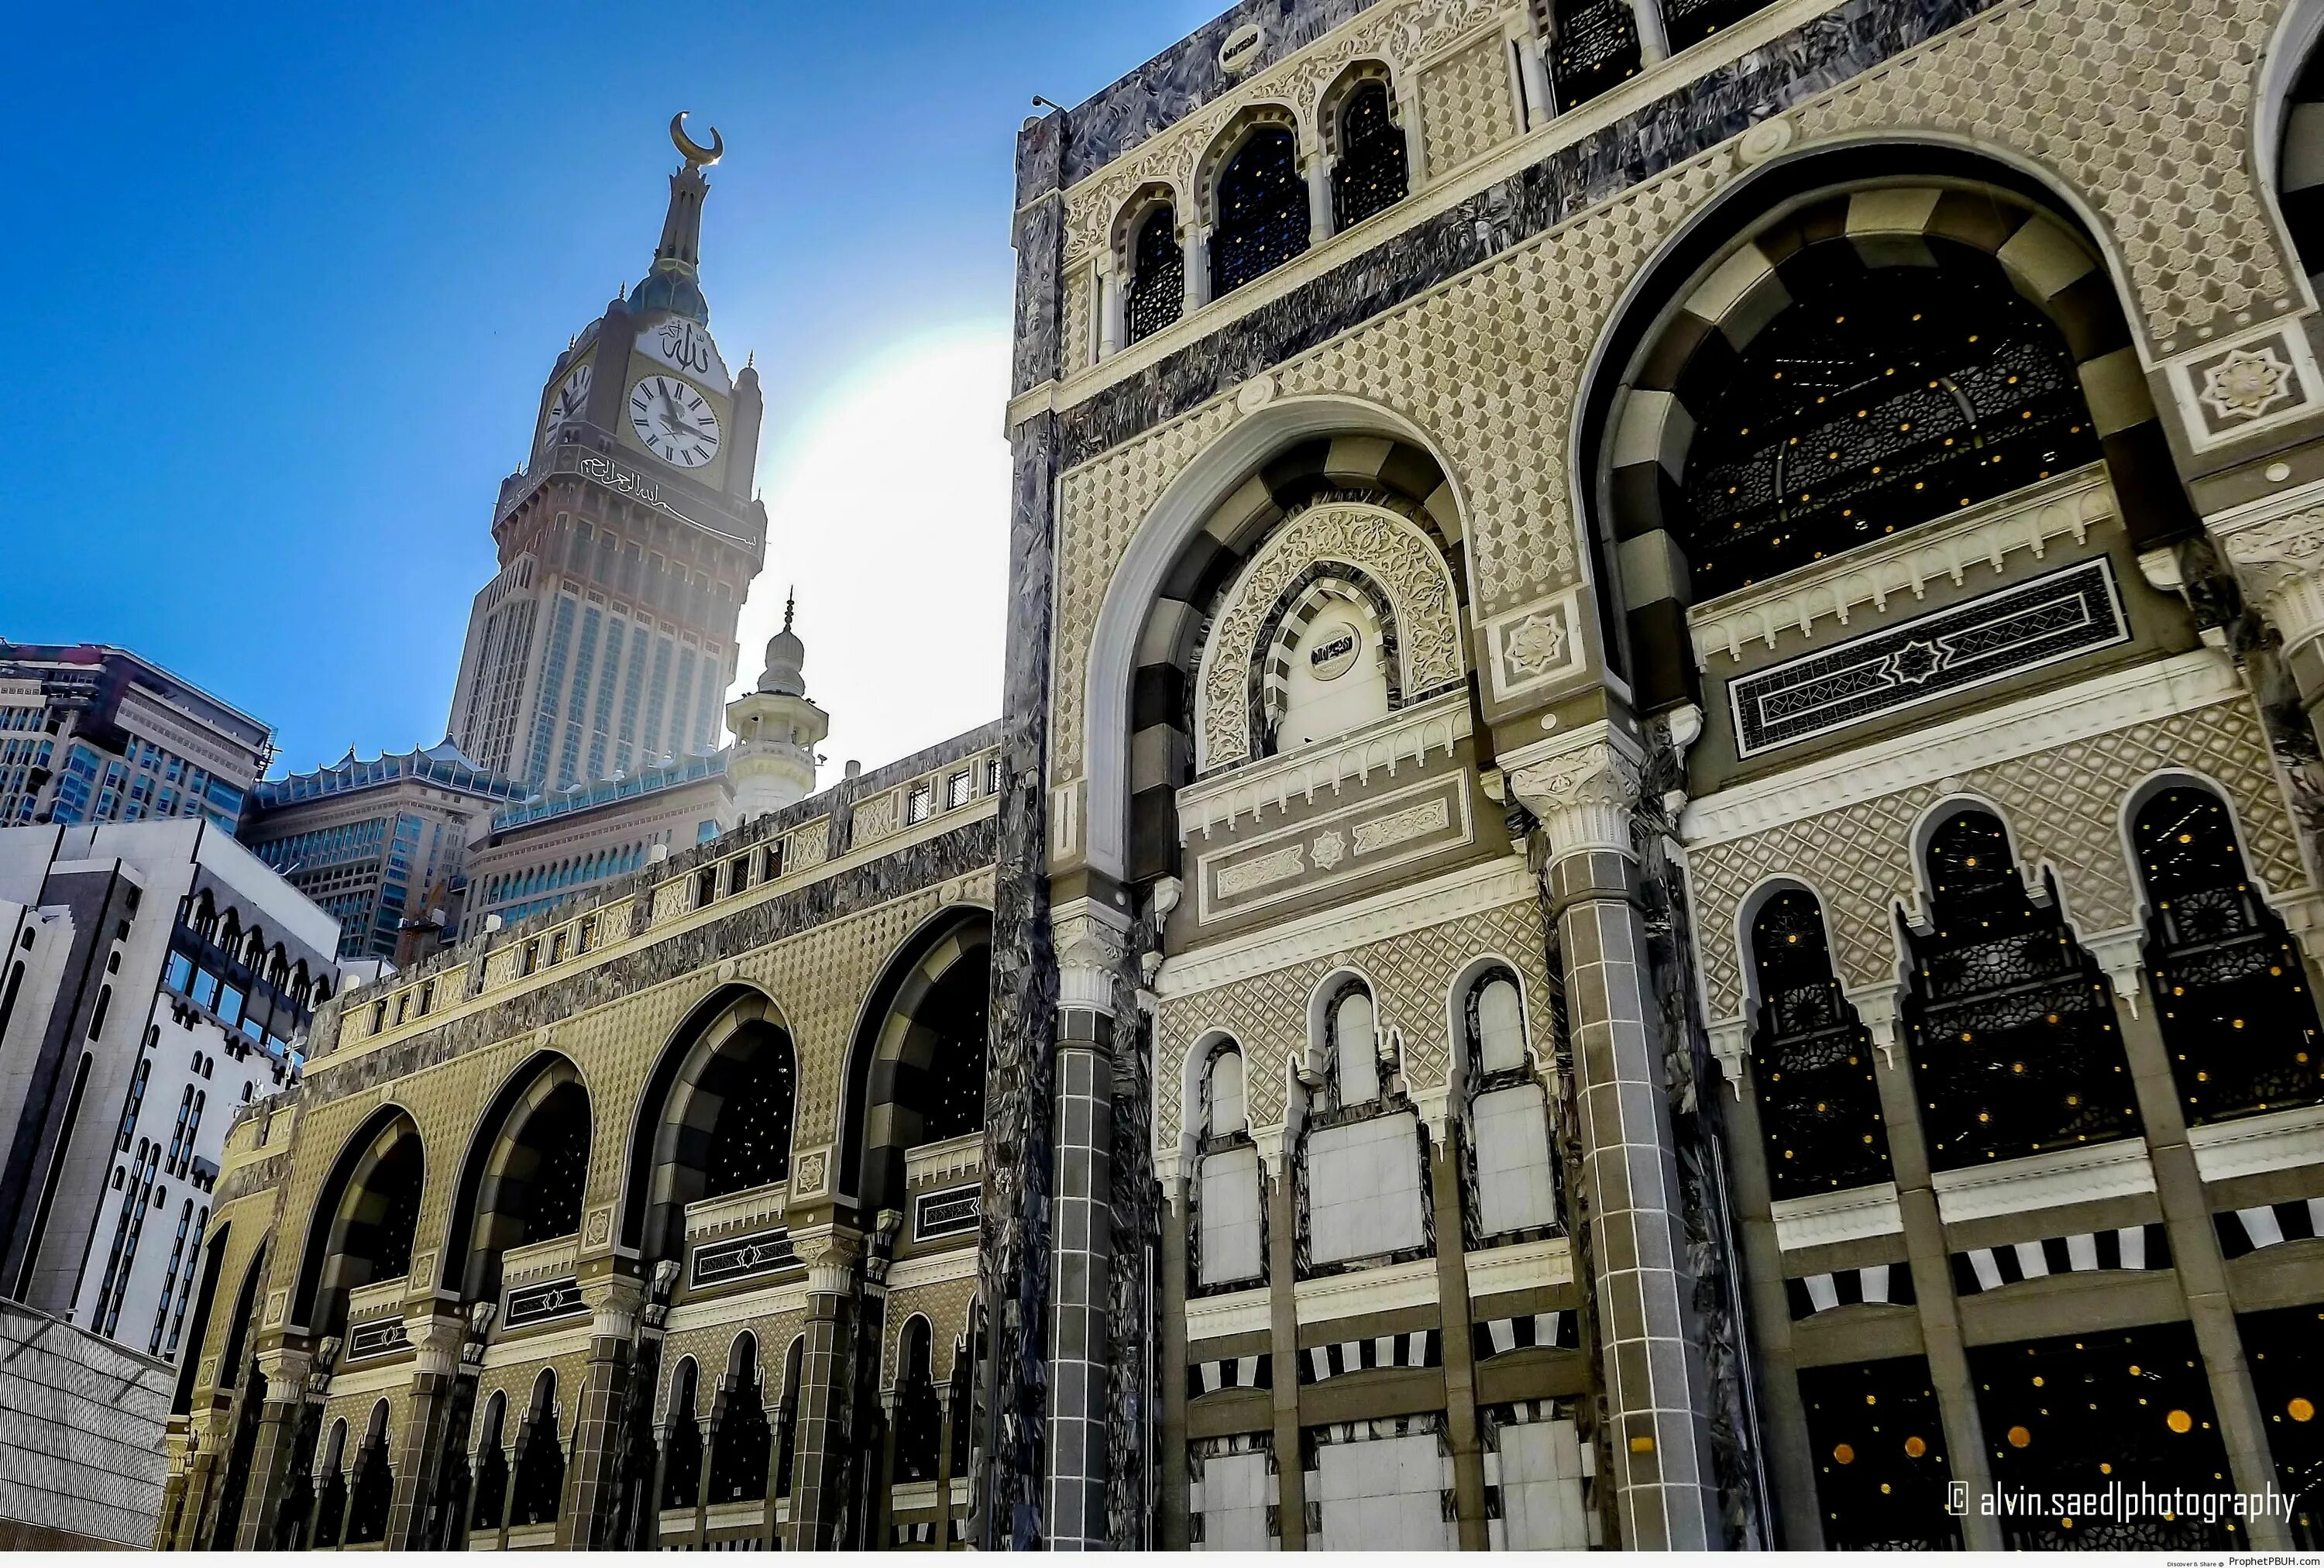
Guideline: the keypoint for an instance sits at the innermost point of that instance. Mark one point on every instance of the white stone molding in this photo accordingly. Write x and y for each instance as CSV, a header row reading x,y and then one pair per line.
x,y
1984,535
1215,1317
1388,1288
1400,911
2043,722
2252,1145
736,1211
1407,737
1091,943
1522,1267
1730,1046
1851,1214
1398,557
932,1268
928,1165
1583,790
2080,1175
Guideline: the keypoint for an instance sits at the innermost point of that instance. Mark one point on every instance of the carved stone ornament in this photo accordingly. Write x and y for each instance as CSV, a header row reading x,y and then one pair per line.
x,y
1536,645
2282,563
2246,383
1583,795
1391,550
1091,945
813,1168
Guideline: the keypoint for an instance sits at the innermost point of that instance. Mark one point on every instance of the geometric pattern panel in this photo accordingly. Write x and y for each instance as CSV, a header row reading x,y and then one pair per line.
x,y
1411,973
1489,365
2062,808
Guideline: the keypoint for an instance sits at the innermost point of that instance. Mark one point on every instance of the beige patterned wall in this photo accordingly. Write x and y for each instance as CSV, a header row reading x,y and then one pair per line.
x,y
946,1304
2140,106
2062,806
711,1346
818,979
1411,974
1465,108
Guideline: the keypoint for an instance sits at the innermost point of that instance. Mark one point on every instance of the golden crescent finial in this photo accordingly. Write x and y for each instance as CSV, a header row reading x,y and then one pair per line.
x,y
694,154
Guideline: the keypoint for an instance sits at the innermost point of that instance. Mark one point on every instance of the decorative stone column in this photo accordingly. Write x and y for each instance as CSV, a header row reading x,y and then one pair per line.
x,y
1656,1385
617,1302
1654,40
2195,1257
1196,239
435,1378
1112,318
1319,197
827,1370
1090,941
286,1371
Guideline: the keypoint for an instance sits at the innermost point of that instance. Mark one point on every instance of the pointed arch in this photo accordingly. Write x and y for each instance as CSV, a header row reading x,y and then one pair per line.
x,y
364,1221
523,1175
916,1068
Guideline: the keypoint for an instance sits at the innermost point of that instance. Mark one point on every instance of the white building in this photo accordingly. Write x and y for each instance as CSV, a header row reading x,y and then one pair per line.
x,y
158,975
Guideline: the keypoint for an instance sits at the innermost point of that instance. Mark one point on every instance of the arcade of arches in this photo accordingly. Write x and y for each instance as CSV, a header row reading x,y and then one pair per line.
x,y
1651,859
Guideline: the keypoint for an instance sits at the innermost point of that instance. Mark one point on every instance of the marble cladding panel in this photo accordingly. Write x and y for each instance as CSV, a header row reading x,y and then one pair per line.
x,y
1516,1188
1230,1207
1383,1493
1235,1498
1040,242
1542,1505
1365,1189
1013,1244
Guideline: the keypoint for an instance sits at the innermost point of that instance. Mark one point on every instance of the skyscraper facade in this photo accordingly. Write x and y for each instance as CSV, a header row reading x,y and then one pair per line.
x,y
627,540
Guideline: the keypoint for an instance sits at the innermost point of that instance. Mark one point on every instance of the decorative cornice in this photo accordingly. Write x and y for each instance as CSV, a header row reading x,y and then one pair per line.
x,y
1824,1218
2081,1174
2041,723
1986,536
1408,736
1487,885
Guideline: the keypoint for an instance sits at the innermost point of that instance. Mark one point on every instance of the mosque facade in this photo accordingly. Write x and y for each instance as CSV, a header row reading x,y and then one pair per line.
x,y
1648,877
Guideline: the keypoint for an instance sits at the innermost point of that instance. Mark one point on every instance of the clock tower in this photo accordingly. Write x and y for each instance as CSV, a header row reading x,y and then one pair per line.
x,y
627,540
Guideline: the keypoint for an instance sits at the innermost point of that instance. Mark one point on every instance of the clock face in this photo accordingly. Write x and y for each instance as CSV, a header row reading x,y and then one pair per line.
x,y
675,423
571,394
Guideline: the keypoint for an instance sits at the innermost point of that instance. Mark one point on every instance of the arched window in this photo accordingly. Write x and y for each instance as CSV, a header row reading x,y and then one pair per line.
x,y
368,1215
953,1105
558,1136
1810,1059
2237,1017
1370,175
1262,210
1156,295
681,1471
1511,1169
492,1465
1327,668
372,1487
1596,47
738,1444
539,1458
1693,21
1352,1041
1230,1233
2014,1041
750,1142
331,1488
919,1417
1877,399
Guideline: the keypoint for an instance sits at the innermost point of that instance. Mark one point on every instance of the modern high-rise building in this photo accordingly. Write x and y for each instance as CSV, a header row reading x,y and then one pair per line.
x,y
379,845
627,540
89,734
155,977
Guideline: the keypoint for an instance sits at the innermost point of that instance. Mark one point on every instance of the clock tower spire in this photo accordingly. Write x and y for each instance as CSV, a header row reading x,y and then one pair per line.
x,y
627,541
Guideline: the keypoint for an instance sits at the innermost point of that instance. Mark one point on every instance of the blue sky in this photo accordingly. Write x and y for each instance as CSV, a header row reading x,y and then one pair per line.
x,y
288,283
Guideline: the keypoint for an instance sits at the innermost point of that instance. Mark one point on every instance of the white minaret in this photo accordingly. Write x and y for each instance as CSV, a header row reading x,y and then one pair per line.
x,y
775,732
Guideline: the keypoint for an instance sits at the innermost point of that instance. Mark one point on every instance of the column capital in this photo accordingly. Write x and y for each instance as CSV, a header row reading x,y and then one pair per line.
x,y
2280,560
831,1253
1091,943
1583,789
